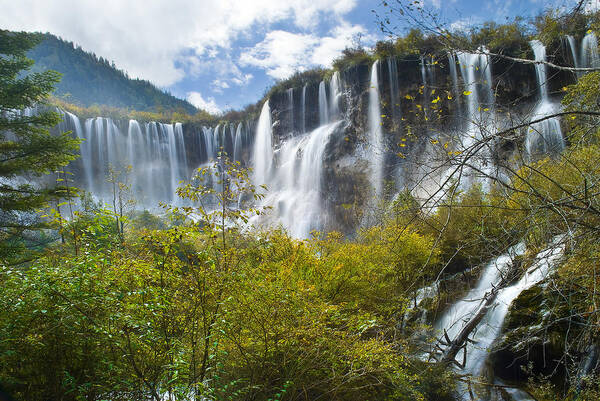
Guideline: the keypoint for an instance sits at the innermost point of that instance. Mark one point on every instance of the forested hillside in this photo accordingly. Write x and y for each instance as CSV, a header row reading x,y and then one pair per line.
x,y
88,79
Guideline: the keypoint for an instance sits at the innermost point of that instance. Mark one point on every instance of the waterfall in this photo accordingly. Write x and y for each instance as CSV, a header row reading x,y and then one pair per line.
x,y
290,97
335,90
209,143
463,310
156,153
237,146
589,51
423,73
572,47
375,150
303,115
72,123
135,145
489,328
263,147
543,137
476,73
394,88
323,105
454,76
295,186
181,152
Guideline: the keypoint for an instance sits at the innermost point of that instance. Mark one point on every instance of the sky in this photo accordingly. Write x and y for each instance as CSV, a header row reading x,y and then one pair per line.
x,y
225,54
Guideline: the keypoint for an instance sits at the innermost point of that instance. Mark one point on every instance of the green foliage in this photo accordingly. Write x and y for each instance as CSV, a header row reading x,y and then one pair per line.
x,y
204,309
298,80
508,39
26,146
352,57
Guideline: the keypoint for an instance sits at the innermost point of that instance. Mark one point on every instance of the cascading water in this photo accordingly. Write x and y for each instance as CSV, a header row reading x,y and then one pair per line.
x,y
573,47
295,187
545,136
263,147
323,105
489,327
375,138
454,76
156,153
303,109
238,143
394,89
589,51
293,173
290,99
476,73
335,89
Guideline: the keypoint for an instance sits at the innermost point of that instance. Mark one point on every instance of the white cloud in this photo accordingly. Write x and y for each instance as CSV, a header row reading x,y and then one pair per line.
x,y
282,53
209,104
147,38
218,85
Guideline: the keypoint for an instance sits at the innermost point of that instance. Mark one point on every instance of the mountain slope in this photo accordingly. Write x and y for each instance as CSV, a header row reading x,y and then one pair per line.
x,y
89,79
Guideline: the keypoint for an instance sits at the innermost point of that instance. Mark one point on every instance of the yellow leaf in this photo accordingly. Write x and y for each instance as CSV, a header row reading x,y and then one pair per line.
x,y
402,145
446,145
400,154
467,93
433,91
409,97
449,96
434,141
436,100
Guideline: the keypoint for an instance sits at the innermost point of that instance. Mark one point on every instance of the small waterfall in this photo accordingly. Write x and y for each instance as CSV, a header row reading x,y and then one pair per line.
x,y
375,139
237,146
323,105
209,143
263,147
489,328
570,40
303,117
394,89
72,123
423,72
181,152
217,140
454,75
476,73
463,310
546,136
589,51
290,98
135,145
335,90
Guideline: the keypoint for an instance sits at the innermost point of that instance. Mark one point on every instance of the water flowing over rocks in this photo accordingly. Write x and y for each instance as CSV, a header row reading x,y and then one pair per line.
x,y
328,148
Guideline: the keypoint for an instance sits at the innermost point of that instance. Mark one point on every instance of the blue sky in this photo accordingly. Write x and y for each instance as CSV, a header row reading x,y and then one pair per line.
x,y
223,54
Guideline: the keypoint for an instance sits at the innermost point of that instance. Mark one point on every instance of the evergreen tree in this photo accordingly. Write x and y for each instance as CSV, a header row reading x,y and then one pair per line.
x,y
27,149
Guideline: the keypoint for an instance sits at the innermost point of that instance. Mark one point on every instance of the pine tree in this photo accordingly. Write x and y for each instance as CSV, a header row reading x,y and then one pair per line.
x,y
27,149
